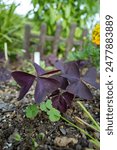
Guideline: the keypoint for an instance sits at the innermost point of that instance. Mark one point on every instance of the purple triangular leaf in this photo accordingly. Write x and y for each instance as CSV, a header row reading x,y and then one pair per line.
x,y
80,89
68,97
91,73
38,69
62,101
60,65
70,78
90,77
44,87
59,103
63,81
25,80
71,68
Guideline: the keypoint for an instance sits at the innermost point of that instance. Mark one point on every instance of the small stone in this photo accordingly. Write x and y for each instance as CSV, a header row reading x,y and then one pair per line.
x,y
78,147
63,131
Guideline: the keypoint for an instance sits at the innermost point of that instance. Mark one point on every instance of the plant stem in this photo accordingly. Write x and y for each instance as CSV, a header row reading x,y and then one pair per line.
x,y
89,115
72,124
79,120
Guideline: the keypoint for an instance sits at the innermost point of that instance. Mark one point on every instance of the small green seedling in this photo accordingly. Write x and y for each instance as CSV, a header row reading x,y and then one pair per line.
x,y
32,111
41,136
35,144
54,114
17,137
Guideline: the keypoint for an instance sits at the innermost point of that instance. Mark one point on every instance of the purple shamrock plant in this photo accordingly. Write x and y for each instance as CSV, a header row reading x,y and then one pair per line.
x,y
61,85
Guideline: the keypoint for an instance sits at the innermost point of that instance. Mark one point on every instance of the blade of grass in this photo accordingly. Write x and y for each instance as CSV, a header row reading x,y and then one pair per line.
x,y
75,126
95,142
79,120
89,115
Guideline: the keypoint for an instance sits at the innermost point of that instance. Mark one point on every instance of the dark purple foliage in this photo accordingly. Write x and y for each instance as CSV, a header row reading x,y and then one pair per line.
x,y
79,89
45,84
38,69
62,101
90,77
78,84
25,80
63,81
60,85
44,87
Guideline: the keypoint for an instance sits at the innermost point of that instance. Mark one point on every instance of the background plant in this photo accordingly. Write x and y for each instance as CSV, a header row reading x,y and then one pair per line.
x,y
64,11
11,28
90,52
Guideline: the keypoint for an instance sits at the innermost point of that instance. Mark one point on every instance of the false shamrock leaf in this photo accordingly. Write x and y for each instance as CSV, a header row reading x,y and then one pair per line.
x,y
61,88
65,66
44,87
62,101
63,81
45,83
77,83
90,77
25,80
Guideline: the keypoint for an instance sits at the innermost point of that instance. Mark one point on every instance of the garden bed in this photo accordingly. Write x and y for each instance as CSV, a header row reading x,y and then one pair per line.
x,y
17,132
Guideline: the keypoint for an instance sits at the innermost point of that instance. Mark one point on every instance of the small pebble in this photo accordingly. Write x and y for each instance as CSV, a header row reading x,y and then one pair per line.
x,y
63,131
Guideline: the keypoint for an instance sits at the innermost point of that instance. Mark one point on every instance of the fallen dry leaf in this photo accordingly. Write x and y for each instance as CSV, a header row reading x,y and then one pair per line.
x,y
64,141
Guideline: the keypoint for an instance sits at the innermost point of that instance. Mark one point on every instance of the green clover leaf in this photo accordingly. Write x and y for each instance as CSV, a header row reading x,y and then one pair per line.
x,y
32,111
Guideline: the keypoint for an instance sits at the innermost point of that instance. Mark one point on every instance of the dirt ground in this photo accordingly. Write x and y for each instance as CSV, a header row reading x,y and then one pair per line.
x,y
41,133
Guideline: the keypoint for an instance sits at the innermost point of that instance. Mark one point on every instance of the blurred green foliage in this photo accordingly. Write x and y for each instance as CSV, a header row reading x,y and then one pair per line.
x,y
64,11
89,52
47,11
11,28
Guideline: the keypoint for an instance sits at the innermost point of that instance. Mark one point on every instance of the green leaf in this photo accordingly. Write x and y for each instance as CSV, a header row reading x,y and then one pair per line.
x,y
48,104
52,15
17,137
34,143
67,11
43,107
54,115
54,118
32,111
55,112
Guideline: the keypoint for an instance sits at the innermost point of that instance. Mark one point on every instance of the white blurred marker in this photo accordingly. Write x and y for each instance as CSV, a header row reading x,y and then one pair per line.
x,y
6,51
37,57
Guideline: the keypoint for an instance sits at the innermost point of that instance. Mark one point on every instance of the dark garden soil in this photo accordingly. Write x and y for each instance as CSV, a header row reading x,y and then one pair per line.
x,y
40,133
